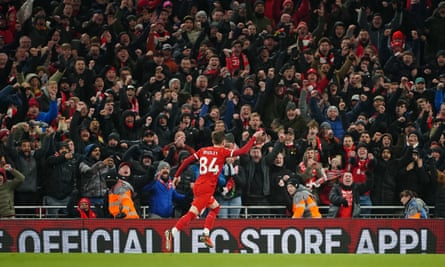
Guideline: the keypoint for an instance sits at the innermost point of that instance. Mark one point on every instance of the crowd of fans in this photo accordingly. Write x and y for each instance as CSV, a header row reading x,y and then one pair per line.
x,y
101,100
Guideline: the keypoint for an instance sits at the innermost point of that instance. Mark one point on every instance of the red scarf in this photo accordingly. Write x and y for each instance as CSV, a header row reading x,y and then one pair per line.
x,y
134,105
86,214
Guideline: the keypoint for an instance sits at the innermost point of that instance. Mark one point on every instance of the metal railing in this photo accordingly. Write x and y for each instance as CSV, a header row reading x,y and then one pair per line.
x,y
247,212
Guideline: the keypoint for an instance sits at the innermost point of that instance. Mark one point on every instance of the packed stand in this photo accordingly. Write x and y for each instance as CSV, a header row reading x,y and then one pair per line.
x,y
101,101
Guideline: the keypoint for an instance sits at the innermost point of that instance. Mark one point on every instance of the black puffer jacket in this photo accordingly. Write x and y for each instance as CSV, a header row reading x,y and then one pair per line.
x,y
61,179
383,191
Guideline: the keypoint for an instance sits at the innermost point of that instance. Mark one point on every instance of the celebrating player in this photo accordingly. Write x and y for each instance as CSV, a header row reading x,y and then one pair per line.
x,y
211,159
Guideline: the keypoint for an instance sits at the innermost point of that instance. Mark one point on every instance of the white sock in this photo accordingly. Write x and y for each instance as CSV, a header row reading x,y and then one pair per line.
x,y
206,231
174,231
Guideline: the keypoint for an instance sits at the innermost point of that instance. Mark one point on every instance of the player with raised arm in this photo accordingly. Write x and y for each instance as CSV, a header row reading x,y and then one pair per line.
x,y
211,160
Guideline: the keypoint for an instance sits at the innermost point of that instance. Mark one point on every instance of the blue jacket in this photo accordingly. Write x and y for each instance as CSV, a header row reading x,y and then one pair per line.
x,y
416,206
161,196
50,115
337,127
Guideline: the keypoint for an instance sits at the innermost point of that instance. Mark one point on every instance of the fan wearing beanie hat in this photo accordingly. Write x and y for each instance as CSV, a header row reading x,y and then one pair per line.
x,y
89,148
33,108
293,181
290,106
398,41
124,170
360,145
304,204
94,172
163,168
34,112
120,196
161,193
325,124
63,147
113,146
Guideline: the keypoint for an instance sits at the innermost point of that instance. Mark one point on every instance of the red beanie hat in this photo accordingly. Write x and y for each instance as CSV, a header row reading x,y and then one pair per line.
x,y
398,35
33,102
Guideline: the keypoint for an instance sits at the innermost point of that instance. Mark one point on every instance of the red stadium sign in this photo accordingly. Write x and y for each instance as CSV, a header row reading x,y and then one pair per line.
x,y
362,236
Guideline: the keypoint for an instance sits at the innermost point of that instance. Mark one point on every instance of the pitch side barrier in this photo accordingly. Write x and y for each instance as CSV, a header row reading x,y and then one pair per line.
x,y
247,212
286,236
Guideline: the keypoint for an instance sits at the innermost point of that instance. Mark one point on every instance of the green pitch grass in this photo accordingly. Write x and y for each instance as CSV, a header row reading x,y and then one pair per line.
x,y
217,260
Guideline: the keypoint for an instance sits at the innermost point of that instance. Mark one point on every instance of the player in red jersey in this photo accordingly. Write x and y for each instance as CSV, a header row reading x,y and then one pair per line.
x,y
211,159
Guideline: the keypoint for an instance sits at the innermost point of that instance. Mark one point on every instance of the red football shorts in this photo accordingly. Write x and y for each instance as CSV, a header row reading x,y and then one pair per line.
x,y
203,197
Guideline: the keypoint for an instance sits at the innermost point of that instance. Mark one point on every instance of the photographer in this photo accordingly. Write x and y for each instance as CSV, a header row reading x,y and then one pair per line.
x,y
415,208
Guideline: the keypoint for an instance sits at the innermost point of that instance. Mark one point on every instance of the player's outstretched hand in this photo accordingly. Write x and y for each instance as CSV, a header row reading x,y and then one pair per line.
x,y
176,180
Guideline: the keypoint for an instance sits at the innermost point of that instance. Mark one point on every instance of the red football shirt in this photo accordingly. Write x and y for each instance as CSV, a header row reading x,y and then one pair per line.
x,y
211,161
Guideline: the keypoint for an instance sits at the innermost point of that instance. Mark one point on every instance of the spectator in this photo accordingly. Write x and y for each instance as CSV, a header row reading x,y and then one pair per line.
x,y
7,188
345,196
236,60
185,186
141,172
279,175
377,27
273,93
79,132
255,13
61,180
230,193
401,65
185,125
293,150
439,209
359,164
161,193
83,210
34,112
172,150
294,119
310,168
93,172
329,142
82,77
27,161
149,143
113,146
121,194
118,63
415,208
412,174
383,191
432,24
304,203
257,165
